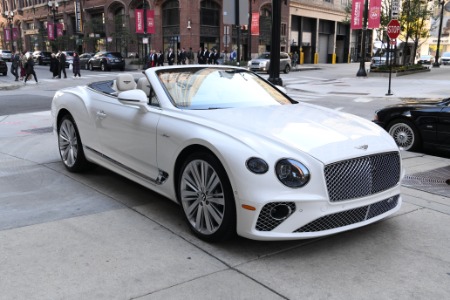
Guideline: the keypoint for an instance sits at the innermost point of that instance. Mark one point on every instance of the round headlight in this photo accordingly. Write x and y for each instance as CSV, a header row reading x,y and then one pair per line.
x,y
292,173
257,165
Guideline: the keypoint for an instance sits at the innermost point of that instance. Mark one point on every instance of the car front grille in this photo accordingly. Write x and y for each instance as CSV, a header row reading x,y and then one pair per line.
x,y
351,216
266,220
362,176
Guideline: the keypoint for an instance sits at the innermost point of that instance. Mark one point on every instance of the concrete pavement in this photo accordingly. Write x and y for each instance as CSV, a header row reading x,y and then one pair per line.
x,y
99,236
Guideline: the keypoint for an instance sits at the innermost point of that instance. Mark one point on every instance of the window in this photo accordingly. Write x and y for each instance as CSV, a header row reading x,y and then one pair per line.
x,y
171,13
210,13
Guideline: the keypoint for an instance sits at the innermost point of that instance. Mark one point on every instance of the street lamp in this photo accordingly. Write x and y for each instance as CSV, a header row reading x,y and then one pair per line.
x,y
10,15
362,63
436,60
53,6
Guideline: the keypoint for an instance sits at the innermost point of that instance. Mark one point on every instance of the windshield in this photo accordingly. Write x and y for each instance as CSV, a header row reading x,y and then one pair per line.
x,y
213,88
264,56
446,54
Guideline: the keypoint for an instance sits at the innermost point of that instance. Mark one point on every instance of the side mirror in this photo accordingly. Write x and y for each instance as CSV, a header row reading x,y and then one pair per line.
x,y
134,97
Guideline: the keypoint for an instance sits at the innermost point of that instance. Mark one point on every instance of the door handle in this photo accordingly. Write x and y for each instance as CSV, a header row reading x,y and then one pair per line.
x,y
101,114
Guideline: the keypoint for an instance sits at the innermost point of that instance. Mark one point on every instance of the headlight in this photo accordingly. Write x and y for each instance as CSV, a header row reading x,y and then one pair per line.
x,y
292,173
257,165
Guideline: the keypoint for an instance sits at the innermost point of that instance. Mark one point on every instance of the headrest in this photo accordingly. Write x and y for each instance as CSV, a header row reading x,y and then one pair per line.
x,y
144,85
125,82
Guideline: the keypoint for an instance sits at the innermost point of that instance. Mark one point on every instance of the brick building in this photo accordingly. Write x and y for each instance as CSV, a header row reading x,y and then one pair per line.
x,y
93,25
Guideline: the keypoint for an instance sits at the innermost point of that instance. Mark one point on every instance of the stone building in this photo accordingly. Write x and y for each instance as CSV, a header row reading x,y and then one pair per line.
x,y
314,27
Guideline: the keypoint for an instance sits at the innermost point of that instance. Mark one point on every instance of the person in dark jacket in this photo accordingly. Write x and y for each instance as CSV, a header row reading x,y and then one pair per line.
x,y
76,65
54,65
29,67
170,57
62,64
15,61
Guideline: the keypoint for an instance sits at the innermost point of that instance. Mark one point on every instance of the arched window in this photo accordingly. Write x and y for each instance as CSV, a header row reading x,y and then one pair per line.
x,y
171,13
209,13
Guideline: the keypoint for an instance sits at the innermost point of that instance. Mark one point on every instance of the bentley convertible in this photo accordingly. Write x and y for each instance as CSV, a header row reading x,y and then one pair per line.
x,y
237,153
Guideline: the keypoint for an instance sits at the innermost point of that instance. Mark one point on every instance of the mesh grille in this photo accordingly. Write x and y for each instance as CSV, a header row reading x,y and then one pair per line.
x,y
351,216
266,222
362,176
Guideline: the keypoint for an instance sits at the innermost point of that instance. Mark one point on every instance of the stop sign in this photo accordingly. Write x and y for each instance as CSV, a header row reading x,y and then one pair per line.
x,y
393,29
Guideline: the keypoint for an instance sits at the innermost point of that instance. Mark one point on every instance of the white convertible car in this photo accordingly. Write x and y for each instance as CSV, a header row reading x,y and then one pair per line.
x,y
237,154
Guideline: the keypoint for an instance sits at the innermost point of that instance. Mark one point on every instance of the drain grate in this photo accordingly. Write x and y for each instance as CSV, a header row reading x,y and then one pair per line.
x,y
40,130
436,181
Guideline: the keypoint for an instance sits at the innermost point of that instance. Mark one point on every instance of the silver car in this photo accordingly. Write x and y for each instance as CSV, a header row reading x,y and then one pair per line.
x,y
445,58
5,55
262,63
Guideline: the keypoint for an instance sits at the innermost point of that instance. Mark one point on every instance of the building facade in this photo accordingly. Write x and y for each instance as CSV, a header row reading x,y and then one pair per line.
x,y
316,28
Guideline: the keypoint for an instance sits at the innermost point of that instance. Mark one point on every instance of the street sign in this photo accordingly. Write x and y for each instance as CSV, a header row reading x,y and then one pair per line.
x,y
395,5
393,29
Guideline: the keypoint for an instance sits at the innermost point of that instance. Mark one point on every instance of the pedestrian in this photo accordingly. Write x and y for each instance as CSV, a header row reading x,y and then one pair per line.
x,y
170,57
200,59
23,62
29,67
62,64
54,65
183,56
190,56
76,65
15,62
160,58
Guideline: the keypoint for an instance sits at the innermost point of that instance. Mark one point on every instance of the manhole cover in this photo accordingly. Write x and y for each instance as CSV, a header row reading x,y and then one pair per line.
x,y
436,181
41,130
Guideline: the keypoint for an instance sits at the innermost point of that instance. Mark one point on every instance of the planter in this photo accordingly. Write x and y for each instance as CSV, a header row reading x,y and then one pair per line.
x,y
396,73
130,64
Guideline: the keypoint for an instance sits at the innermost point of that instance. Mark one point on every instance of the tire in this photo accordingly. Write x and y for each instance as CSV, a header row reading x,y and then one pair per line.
x,y
91,67
70,146
405,134
103,67
287,69
206,197
86,66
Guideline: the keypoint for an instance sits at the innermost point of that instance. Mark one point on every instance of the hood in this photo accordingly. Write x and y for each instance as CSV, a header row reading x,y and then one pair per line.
x,y
323,133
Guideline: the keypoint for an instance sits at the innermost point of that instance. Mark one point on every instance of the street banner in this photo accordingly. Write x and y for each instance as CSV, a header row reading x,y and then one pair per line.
x,y
374,14
255,24
150,21
357,14
78,17
139,18
15,34
59,29
50,31
7,34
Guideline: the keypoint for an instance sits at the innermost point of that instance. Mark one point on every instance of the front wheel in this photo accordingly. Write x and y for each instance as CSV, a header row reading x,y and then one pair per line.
x,y
405,134
103,67
91,67
206,197
287,69
70,146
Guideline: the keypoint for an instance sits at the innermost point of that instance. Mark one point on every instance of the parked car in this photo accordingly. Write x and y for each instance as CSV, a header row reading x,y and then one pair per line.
x,y
5,55
3,67
416,124
107,61
84,59
445,58
237,154
425,60
378,60
262,63
42,57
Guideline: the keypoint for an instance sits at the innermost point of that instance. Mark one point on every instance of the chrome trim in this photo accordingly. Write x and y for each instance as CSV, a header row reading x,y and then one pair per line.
x,y
162,176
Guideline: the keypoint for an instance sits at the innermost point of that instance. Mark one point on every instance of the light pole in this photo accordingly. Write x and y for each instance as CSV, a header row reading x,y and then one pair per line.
x,y
362,63
10,15
53,6
436,60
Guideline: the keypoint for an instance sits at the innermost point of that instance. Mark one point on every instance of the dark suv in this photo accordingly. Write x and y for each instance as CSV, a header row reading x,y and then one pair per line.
x,y
107,61
42,57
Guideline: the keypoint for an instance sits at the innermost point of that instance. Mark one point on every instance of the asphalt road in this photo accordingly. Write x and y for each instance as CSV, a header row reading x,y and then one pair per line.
x,y
24,103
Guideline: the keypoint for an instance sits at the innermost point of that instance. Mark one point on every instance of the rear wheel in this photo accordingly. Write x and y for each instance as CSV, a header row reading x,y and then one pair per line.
x,y
287,69
103,67
70,146
91,67
206,197
405,134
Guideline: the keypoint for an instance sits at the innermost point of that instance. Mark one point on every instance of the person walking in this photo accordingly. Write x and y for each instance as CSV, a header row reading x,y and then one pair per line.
x,y
54,65
29,67
15,62
23,62
160,58
62,64
76,65
170,57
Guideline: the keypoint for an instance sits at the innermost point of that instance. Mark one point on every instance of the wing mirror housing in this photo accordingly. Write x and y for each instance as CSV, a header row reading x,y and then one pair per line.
x,y
134,97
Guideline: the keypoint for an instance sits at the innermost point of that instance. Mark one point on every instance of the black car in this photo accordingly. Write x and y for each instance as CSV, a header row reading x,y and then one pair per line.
x,y
416,124
107,61
3,67
42,57
84,59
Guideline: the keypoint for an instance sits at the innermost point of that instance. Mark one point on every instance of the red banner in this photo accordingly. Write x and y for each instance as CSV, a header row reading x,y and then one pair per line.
x,y
255,24
357,14
139,17
150,21
50,31
59,29
7,34
374,14
15,34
